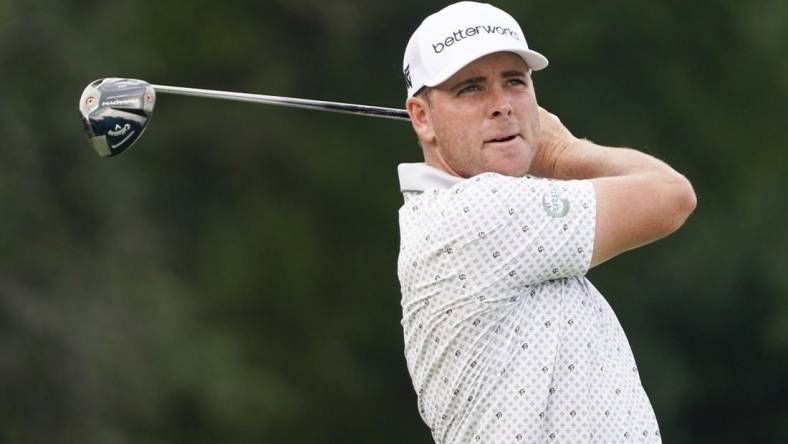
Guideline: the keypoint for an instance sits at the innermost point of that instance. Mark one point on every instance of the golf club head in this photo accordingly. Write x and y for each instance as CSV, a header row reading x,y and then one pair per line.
x,y
115,112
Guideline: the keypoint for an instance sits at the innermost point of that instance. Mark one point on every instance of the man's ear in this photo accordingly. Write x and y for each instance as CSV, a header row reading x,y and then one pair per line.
x,y
421,118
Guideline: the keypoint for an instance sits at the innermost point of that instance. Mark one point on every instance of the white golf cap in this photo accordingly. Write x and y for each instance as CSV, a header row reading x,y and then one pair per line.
x,y
457,35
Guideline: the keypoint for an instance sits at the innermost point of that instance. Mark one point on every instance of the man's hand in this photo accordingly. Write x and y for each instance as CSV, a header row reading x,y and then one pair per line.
x,y
554,139
639,198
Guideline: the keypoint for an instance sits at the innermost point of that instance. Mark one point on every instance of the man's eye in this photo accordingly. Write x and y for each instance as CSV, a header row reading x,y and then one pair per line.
x,y
469,89
515,82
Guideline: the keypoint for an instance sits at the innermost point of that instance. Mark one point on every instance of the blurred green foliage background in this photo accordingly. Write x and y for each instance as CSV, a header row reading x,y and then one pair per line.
x,y
232,278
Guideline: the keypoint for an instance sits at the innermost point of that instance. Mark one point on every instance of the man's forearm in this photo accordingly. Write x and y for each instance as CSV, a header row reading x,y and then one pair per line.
x,y
561,155
583,159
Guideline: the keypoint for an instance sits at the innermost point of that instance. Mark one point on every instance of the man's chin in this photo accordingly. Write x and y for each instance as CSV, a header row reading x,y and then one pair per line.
x,y
509,169
515,165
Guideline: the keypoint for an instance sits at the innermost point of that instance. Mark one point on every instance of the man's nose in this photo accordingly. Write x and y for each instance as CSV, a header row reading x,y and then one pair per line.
x,y
500,103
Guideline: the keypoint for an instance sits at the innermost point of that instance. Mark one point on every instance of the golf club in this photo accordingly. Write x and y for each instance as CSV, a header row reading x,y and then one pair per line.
x,y
115,111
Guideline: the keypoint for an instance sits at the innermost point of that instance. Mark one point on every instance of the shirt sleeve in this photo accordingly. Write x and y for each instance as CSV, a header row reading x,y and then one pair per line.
x,y
521,230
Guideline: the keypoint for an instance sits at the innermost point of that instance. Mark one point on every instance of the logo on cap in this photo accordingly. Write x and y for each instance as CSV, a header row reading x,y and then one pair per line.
x,y
471,31
406,73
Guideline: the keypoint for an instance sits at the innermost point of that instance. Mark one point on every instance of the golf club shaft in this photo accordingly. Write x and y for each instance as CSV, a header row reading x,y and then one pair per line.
x,y
349,108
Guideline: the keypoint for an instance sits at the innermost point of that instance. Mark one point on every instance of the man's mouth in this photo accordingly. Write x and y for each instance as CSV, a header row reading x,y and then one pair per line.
x,y
502,139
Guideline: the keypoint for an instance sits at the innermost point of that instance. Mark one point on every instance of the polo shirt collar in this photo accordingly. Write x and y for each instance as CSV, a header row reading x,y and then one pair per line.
x,y
420,176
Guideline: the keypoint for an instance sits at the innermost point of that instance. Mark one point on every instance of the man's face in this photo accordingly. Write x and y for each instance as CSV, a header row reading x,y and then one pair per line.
x,y
484,118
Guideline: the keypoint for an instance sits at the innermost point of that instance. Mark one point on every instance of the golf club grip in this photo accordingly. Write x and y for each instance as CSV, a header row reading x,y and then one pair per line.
x,y
348,108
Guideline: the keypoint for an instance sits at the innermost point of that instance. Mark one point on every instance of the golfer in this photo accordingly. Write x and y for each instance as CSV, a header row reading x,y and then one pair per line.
x,y
506,341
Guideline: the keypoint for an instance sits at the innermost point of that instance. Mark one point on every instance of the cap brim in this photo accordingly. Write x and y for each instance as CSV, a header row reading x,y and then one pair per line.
x,y
533,59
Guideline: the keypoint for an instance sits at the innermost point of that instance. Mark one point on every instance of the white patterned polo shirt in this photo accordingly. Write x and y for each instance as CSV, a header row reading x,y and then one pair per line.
x,y
506,341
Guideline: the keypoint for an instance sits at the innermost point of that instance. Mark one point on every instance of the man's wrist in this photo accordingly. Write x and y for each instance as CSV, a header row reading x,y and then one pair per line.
x,y
548,157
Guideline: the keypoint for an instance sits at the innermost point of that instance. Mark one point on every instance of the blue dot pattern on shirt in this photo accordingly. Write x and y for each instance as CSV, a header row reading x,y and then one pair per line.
x,y
506,341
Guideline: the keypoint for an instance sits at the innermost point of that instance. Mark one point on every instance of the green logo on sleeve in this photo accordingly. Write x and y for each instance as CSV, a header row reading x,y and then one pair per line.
x,y
554,205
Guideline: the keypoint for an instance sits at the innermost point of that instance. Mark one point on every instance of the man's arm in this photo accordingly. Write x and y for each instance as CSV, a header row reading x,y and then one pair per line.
x,y
639,199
